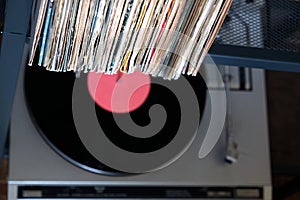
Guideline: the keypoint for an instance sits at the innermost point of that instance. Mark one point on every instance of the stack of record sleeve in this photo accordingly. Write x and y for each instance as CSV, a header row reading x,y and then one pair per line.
x,y
164,38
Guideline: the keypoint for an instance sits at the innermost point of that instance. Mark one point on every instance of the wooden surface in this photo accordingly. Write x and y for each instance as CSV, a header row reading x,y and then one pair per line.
x,y
283,89
283,92
3,180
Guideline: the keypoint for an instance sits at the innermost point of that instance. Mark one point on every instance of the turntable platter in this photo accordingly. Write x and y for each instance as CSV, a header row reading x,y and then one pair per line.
x,y
51,111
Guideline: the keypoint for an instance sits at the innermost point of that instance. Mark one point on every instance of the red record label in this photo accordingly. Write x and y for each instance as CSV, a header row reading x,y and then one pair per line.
x,y
119,93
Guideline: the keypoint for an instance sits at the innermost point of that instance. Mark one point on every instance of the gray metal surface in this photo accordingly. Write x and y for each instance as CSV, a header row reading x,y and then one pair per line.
x,y
32,162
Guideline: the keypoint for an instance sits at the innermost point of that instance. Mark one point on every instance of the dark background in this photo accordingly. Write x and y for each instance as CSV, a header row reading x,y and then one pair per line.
x,y
283,92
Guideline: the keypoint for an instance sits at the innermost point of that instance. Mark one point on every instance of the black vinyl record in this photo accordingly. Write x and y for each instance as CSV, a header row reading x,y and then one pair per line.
x,y
49,99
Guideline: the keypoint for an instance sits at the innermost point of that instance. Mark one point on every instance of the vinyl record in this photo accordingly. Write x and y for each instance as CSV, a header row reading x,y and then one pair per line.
x,y
49,99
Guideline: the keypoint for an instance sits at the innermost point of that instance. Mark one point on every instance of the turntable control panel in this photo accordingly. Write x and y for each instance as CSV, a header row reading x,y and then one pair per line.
x,y
114,192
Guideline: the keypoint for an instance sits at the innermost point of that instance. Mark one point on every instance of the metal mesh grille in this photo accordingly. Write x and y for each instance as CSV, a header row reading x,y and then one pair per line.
x,y
271,24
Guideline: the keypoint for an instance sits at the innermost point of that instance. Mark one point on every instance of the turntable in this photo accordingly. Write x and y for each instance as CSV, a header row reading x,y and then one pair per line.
x,y
50,159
